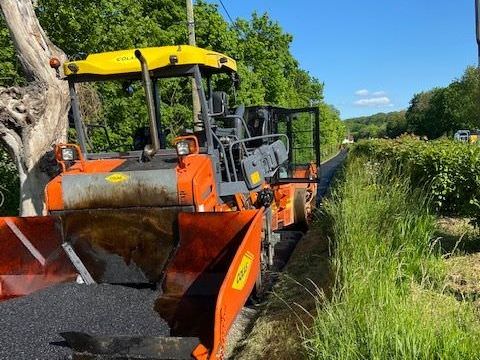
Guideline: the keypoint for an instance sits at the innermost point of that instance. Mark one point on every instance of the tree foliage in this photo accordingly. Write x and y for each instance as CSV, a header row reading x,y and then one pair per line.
x,y
332,129
9,185
443,111
379,125
9,67
269,72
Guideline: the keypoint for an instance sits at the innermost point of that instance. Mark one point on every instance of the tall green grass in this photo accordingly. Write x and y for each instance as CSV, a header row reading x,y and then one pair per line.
x,y
387,301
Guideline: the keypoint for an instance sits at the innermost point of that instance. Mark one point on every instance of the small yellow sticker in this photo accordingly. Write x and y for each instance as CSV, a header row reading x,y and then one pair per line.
x,y
116,178
255,177
288,205
243,271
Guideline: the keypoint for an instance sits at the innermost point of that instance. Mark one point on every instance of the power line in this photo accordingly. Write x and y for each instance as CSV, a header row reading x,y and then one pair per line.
x,y
226,12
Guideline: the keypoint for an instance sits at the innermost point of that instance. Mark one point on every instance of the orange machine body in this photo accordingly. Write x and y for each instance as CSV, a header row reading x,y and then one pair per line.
x,y
196,185
218,259
195,181
212,268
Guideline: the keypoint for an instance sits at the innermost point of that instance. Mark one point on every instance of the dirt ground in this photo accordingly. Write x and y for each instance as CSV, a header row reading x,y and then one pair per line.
x,y
460,242
288,311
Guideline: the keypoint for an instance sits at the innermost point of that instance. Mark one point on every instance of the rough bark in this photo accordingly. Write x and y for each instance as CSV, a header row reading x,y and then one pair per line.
x,y
32,118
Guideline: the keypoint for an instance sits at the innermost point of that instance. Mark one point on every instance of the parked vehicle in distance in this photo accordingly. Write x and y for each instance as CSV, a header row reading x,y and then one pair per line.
x,y
467,136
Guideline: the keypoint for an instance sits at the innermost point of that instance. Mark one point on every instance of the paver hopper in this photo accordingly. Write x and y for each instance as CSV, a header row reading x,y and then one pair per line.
x,y
205,274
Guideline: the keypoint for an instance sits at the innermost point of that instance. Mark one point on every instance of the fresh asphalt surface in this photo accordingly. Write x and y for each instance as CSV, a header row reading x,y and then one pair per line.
x,y
327,171
30,325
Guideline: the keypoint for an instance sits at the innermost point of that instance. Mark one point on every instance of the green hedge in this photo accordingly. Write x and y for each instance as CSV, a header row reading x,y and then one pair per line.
x,y
449,169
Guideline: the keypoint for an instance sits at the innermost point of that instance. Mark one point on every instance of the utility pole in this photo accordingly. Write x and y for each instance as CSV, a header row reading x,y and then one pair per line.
x,y
477,18
197,126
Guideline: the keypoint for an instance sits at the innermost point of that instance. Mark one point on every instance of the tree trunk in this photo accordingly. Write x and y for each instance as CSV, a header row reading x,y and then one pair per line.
x,y
32,118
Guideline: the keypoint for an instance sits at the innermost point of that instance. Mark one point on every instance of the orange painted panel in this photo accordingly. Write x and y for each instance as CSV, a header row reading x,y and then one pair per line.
x,y
209,254
31,256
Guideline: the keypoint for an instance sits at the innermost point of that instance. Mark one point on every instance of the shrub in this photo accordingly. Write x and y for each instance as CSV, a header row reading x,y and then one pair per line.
x,y
449,169
9,188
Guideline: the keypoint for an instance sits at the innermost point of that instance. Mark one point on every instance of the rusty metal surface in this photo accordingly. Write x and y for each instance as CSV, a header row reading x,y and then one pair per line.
x,y
120,189
123,245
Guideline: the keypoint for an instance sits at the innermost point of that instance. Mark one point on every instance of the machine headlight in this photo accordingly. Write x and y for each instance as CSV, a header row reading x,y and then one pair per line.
x,y
183,148
186,145
68,154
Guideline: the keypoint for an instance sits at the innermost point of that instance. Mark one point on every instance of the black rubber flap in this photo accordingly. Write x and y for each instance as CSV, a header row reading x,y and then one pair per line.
x,y
87,347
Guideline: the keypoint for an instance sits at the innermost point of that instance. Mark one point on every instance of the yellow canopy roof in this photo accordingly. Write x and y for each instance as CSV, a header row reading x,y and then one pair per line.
x,y
163,61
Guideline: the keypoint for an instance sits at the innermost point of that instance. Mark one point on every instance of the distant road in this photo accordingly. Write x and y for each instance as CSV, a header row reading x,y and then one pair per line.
x,y
327,170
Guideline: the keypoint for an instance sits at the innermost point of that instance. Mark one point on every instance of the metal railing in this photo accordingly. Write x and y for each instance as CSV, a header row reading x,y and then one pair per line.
x,y
246,140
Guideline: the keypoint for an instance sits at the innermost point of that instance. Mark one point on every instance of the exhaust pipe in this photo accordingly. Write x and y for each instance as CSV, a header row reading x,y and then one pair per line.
x,y
147,84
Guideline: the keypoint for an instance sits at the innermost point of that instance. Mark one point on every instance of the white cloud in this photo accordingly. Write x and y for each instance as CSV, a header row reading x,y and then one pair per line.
x,y
379,93
362,92
374,101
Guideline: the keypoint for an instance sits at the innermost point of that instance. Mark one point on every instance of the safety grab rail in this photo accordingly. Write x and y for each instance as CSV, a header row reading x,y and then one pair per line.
x,y
222,149
242,141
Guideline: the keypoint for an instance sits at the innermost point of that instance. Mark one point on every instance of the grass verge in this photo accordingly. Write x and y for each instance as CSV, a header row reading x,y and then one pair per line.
x,y
287,312
387,300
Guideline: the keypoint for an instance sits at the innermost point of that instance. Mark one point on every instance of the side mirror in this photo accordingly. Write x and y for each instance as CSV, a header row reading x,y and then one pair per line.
x,y
220,103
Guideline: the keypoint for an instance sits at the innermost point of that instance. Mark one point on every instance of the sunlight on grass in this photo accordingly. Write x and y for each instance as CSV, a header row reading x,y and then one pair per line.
x,y
387,301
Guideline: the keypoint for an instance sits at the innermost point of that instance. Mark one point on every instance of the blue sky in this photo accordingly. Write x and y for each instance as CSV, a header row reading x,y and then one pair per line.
x,y
373,55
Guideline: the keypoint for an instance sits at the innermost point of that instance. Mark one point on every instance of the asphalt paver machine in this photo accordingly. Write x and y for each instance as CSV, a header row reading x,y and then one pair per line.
x,y
195,222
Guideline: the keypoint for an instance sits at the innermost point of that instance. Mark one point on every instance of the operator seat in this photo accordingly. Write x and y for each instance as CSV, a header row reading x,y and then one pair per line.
x,y
142,137
258,125
226,124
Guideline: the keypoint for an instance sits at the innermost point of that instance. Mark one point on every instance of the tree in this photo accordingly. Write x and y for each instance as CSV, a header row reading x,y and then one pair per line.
x,y
462,102
424,113
443,111
332,129
9,66
396,124
32,117
82,27
379,125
